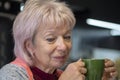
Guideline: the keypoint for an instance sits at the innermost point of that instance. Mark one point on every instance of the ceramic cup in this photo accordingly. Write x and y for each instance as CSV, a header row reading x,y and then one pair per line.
x,y
95,68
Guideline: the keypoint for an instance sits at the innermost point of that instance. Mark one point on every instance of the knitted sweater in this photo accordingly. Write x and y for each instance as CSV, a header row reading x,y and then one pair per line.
x,y
15,72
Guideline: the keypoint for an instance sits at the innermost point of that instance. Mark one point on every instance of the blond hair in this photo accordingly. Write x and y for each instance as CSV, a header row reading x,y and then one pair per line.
x,y
38,13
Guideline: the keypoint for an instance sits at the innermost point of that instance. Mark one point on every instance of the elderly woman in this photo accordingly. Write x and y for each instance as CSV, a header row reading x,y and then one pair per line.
x,y
42,35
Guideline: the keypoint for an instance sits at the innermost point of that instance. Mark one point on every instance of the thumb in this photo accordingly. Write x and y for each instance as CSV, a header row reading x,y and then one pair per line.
x,y
79,60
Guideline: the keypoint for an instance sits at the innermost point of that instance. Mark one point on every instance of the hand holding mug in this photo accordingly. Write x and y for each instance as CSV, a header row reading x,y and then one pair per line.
x,y
74,71
110,71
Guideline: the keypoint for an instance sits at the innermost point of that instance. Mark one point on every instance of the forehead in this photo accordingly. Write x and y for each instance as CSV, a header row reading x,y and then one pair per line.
x,y
54,29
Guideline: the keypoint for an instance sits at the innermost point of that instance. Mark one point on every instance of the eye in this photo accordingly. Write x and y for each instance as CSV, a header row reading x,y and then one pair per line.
x,y
50,39
67,37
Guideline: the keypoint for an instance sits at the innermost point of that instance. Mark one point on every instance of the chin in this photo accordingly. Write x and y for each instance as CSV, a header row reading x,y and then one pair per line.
x,y
58,65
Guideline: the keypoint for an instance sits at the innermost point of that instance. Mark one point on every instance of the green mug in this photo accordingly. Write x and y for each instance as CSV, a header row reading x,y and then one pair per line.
x,y
95,69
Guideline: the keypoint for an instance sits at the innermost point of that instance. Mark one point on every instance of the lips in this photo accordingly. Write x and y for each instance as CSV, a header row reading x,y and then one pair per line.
x,y
60,58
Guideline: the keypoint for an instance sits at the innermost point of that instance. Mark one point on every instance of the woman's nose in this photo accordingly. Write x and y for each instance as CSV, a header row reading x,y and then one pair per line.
x,y
61,45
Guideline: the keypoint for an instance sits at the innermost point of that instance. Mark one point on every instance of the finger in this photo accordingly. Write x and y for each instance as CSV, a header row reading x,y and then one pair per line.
x,y
80,63
110,69
107,59
82,77
83,70
80,59
109,63
114,74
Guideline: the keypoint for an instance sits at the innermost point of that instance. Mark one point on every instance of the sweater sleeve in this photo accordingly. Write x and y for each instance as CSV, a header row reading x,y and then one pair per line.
x,y
12,72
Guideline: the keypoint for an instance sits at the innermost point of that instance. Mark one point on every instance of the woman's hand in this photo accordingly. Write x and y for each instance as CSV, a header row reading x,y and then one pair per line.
x,y
74,71
110,71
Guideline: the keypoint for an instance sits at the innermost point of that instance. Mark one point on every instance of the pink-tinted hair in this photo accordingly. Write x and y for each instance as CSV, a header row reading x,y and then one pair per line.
x,y
38,13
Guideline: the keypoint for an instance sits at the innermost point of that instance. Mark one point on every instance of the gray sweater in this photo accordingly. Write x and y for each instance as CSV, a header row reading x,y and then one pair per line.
x,y
13,72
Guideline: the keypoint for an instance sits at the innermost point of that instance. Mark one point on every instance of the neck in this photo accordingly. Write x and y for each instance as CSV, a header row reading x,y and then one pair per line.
x,y
46,69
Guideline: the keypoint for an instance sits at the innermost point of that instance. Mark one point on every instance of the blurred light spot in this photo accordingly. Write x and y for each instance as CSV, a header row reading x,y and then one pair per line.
x,y
115,33
21,6
7,5
103,24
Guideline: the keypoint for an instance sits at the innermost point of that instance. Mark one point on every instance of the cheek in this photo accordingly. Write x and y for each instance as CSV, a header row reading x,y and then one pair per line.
x,y
42,55
45,51
70,46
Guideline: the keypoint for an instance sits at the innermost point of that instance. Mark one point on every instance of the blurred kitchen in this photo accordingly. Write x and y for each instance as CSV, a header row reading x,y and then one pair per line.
x,y
96,34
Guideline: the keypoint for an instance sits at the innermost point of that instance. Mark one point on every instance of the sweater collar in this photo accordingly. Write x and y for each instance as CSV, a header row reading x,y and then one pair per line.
x,y
40,75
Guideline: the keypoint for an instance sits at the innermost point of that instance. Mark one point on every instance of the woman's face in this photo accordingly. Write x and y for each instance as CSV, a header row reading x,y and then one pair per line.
x,y
52,46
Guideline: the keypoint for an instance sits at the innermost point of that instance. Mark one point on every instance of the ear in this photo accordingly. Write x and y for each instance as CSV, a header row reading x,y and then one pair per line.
x,y
29,46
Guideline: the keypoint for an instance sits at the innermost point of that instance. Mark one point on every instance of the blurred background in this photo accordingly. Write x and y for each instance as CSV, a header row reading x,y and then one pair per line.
x,y
96,33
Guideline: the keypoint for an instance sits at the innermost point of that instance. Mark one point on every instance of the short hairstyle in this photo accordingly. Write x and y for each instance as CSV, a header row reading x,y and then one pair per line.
x,y
38,13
